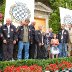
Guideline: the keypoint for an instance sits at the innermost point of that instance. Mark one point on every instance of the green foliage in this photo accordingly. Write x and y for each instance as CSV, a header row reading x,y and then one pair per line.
x,y
54,20
2,7
1,2
29,62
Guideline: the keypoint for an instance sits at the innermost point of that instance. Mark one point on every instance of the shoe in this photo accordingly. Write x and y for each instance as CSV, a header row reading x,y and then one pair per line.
x,y
12,59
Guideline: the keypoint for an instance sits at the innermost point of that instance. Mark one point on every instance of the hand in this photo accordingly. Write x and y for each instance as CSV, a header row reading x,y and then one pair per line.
x,y
14,42
4,41
40,44
17,40
1,35
31,42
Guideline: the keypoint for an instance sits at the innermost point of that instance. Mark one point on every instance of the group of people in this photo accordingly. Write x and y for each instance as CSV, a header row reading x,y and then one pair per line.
x,y
33,44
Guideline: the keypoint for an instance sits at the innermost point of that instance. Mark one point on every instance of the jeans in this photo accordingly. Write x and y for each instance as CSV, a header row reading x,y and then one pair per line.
x,y
63,49
22,45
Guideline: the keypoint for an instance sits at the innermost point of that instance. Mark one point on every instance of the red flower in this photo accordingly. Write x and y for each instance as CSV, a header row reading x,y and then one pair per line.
x,y
32,68
9,69
36,68
52,67
63,65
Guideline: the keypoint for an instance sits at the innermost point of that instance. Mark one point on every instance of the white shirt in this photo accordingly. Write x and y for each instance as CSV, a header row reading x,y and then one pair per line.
x,y
62,34
8,31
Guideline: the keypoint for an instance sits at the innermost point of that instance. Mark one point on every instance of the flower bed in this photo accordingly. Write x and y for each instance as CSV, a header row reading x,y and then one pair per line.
x,y
57,67
44,63
32,68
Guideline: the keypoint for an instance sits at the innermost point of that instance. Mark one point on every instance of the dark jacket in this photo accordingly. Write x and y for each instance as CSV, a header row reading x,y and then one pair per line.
x,y
50,35
0,37
65,36
4,30
0,33
31,27
32,32
46,37
38,36
21,33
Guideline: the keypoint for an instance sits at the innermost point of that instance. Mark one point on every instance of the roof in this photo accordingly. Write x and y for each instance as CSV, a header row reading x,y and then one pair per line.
x,y
42,7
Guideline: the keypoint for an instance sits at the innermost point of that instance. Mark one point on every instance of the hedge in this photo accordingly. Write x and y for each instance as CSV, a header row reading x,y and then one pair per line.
x,y
43,62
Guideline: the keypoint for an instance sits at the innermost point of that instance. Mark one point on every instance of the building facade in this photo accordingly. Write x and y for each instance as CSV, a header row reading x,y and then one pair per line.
x,y
41,15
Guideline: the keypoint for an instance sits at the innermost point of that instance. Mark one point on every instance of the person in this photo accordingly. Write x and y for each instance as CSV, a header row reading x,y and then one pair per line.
x,y
9,39
63,37
70,39
32,42
1,51
54,48
50,33
15,50
47,44
39,37
23,38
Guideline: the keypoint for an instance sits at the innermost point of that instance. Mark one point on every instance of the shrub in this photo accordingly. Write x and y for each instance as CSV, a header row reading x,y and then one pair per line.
x,y
43,63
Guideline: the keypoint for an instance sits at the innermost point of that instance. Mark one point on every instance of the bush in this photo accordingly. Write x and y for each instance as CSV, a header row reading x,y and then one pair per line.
x,y
30,62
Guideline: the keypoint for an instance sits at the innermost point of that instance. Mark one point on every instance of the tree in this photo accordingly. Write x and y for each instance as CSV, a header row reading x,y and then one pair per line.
x,y
2,7
1,2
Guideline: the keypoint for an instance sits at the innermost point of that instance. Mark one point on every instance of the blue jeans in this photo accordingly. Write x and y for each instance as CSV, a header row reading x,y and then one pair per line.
x,y
22,45
63,49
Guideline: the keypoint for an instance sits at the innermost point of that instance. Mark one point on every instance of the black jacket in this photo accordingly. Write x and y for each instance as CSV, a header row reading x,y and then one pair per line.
x,y
4,30
65,36
45,39
38,36
32,32
0,32
21,33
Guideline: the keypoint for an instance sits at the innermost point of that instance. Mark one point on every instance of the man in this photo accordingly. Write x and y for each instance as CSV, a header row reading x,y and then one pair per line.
x,y
63,40
23,38
1,52
9,39
32,43
70,39
15,50
39,37
47,41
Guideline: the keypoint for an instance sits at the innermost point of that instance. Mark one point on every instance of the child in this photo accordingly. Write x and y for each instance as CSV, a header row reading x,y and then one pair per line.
x,y
54,48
